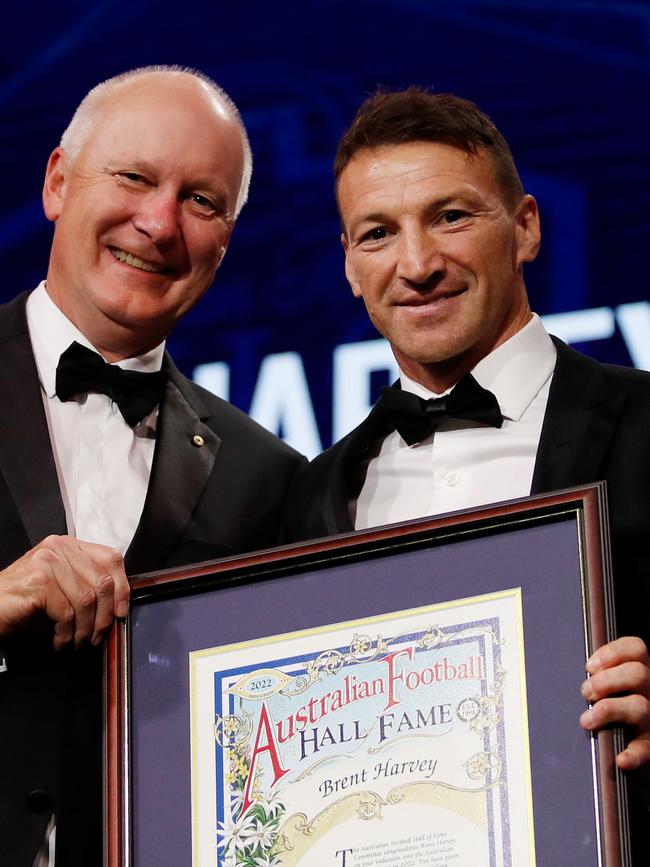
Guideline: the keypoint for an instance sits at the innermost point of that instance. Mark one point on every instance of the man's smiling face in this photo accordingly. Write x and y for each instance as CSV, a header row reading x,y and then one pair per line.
x,y
144,213
436,254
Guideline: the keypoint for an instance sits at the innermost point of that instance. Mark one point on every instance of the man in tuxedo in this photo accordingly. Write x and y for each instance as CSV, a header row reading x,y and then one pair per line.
x,y
436,231
111,461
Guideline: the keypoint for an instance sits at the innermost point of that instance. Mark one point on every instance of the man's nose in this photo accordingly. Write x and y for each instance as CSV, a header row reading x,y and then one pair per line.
x,y
419,255
159,216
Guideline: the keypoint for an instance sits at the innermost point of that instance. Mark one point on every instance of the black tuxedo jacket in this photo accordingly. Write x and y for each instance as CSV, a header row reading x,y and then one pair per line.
x,y
597,426
203,502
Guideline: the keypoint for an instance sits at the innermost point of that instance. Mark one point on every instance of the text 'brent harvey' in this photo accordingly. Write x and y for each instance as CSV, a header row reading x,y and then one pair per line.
x,y
424,767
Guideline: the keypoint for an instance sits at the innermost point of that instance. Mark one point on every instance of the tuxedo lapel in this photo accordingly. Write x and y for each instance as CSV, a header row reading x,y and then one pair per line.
x,y
336,514
186,449
26,459
581,417
348,472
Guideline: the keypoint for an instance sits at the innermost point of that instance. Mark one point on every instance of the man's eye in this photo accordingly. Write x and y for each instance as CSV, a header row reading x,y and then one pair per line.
x,y
132,176
450,217
201,202
376,234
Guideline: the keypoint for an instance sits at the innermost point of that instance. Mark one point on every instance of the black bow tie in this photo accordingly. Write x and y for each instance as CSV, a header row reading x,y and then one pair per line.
x,y
80,370
415,418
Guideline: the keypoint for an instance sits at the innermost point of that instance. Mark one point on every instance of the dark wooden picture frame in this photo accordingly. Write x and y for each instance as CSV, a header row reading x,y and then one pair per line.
x,y
555,546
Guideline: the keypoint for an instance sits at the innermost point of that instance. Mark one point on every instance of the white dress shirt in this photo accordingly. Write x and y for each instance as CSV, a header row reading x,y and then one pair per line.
x,y
103,465
465,464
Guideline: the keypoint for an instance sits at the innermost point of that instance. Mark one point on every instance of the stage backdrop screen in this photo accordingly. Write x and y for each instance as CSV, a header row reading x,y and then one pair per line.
x,y
279,333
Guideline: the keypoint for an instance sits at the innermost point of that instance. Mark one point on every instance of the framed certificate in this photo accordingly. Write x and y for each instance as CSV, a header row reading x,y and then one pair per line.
x,y
402,696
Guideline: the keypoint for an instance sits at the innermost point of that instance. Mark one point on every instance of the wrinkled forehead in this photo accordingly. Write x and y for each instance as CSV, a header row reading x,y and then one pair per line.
x,y
372,170
436,154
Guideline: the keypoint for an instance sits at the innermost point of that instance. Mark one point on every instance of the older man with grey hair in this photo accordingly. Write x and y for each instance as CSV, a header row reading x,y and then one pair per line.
x,y
111,461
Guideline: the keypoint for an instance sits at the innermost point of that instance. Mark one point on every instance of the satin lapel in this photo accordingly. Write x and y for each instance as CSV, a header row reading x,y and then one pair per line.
x,y
581,417
335,502
348,473
26,459
179,474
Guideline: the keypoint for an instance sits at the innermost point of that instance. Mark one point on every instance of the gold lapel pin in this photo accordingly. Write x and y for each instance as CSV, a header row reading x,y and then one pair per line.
x,y
198,441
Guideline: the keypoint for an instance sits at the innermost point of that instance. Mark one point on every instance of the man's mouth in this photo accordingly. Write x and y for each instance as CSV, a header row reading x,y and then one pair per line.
x,y
137,262
425,299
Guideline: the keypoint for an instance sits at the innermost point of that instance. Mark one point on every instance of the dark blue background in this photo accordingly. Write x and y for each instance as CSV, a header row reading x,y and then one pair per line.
x,y
567,82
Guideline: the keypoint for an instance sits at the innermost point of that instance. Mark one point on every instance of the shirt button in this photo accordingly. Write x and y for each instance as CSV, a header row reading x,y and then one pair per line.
x,y
452,479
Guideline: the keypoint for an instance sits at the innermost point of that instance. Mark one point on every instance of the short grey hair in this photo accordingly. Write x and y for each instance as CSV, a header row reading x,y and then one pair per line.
x,y
85,117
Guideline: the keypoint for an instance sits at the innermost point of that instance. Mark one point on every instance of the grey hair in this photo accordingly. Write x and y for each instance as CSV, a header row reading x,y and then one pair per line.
x,y
85,117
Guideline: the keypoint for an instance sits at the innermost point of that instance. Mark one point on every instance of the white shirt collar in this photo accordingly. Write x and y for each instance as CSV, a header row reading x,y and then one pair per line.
x,y
51,333
515,372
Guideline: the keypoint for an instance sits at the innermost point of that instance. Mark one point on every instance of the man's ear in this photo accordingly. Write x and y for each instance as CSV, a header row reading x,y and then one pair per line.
x,y
349,269
528,230
54,186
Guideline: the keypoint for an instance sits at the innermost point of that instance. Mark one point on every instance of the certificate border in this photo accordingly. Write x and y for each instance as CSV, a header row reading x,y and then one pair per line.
x,y
586,505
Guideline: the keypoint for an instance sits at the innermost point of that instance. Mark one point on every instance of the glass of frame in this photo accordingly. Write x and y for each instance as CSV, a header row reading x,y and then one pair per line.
x,y
405,696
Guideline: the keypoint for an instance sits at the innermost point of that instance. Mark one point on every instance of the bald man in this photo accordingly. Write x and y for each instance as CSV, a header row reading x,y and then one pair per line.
x,y
111,461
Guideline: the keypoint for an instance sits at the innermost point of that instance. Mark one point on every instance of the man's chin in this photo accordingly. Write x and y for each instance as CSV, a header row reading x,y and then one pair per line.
x,y
428,355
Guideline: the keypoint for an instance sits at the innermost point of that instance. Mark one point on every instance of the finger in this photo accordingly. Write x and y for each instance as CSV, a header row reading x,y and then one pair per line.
x,y
632,677
616,652
80,594
112,563
77,577
102,585
40,591
64,626
635,755
631,710
94,600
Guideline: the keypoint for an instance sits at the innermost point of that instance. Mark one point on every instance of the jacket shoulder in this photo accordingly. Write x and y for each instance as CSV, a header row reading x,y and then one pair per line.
x,y
13,318
629,380
228,421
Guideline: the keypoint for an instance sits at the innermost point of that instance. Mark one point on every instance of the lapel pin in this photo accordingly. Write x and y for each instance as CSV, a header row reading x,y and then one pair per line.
x,y
198,441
